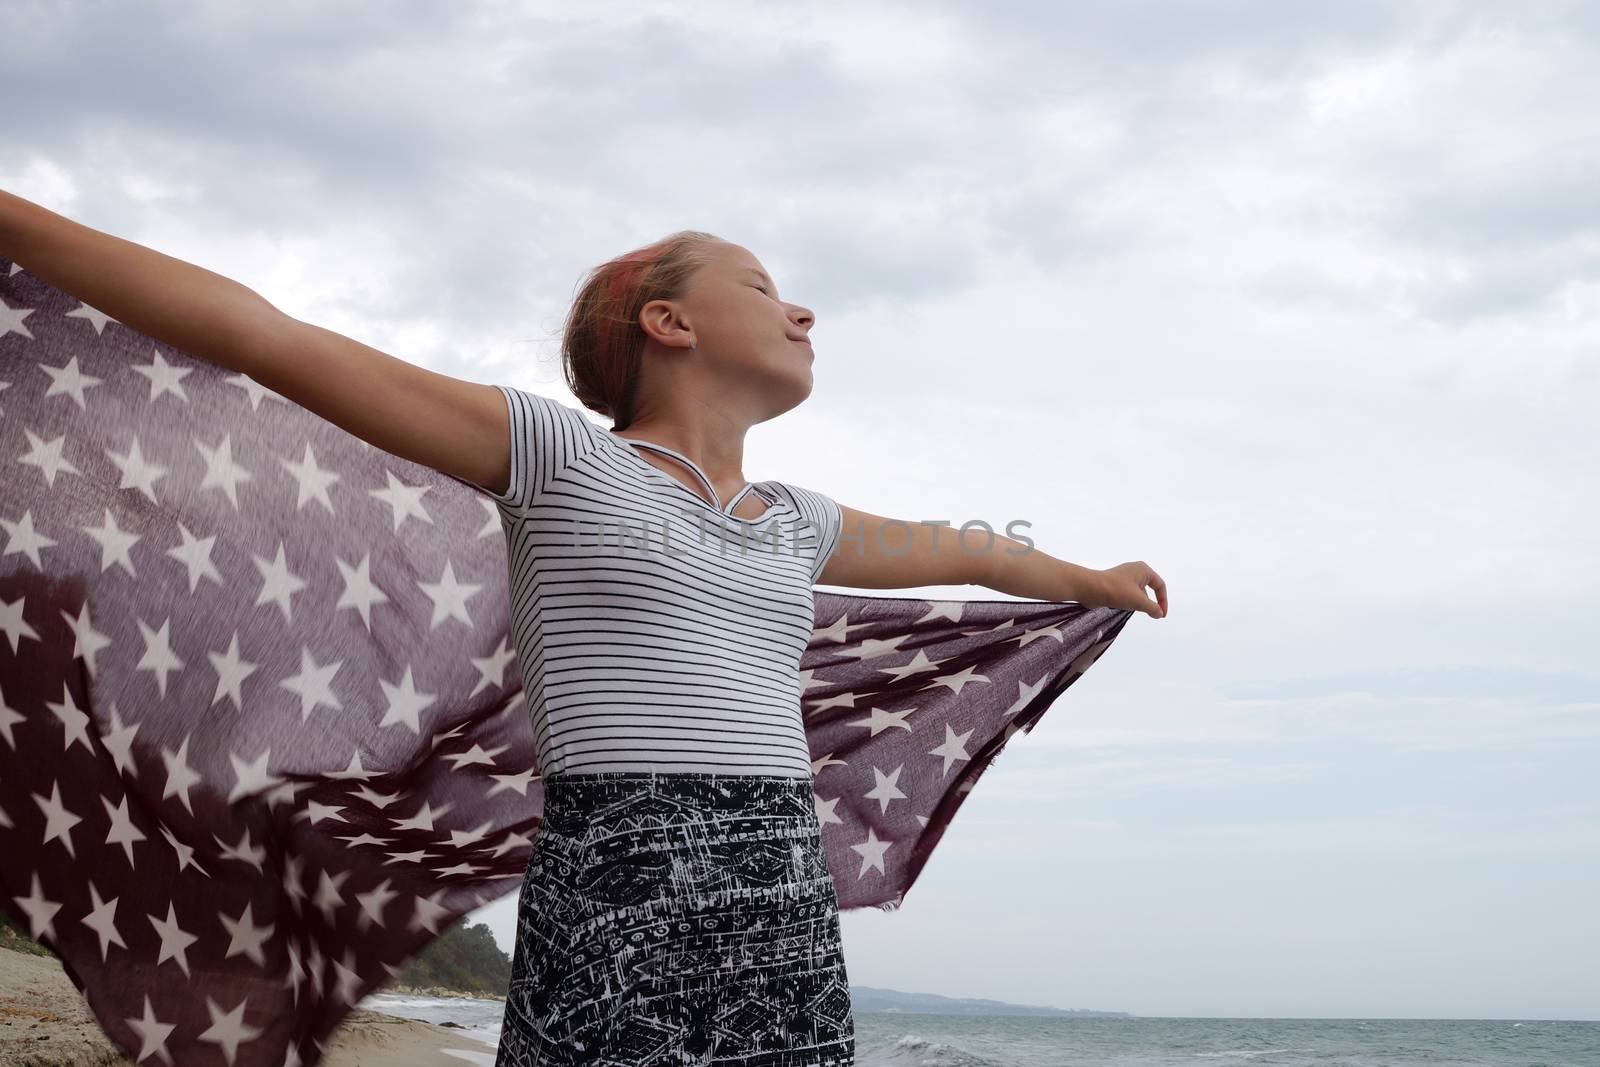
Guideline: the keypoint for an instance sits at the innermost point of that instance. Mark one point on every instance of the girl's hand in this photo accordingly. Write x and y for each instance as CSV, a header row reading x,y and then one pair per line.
x,y
1124,587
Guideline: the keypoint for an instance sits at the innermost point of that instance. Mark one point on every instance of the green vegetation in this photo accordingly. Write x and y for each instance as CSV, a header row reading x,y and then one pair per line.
x,y
465,959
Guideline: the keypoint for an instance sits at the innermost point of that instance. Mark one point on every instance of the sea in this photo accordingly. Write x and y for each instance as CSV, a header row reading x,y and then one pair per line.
x,y
888,1039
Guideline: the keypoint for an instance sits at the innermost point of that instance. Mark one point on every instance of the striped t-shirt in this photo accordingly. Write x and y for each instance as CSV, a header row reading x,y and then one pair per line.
x,y
648,638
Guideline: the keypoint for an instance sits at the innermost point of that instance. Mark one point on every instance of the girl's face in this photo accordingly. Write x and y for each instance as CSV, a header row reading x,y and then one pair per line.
x,y
745,334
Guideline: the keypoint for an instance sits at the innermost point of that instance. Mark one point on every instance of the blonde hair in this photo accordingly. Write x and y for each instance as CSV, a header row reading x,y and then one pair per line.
x,y
602,343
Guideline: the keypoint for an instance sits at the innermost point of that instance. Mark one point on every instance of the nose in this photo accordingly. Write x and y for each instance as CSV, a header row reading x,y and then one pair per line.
x,y
803,317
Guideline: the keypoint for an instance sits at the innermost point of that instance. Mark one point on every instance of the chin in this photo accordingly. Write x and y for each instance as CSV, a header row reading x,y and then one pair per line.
x,y
791,393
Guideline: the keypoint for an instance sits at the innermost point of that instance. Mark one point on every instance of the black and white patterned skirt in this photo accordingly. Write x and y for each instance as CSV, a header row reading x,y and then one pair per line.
x,y
678,919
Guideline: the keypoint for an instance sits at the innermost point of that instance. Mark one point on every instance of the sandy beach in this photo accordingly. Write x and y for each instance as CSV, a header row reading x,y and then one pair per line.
x,y
45,1023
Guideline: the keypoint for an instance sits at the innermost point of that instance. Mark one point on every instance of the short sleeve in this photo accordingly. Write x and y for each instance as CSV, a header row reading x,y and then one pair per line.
x,y
825,519
546,435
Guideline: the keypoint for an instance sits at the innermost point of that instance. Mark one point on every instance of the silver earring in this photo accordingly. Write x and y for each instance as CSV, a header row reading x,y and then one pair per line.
x,y
691,346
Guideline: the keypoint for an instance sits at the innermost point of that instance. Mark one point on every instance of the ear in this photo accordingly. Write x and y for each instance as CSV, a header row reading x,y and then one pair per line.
x,y
663,322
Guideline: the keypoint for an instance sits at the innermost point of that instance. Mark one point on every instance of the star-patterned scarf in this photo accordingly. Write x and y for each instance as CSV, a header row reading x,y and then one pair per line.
x,y
262,733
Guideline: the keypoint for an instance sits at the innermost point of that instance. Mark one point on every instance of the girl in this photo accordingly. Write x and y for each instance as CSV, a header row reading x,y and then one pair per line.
x,y
677,907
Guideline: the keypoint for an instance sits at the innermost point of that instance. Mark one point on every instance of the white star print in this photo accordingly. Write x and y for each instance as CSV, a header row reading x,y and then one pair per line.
x,y
826,761
404,703
40,912
138,472
8,719
414,858
423,819
175,940
1027,637
837,631
491,524
512,842
312,481
22,538
69,380
102,919
372,905
297,971
153,1034
957,681
871,851
359,591
74,722
58,820
158,655
180,776
492,668
122,832
86,640
809,681
348,981
1025,696
919,663
256,391
46,455
114,544
428,912
185,853
314,683
954,748
252,777
316,812
11,320
838,700
941,609
244,850
880,719
403,500
228,1030
245,937
96,317
354,769
195,555
474,755
164,377
375,798
519,781
12,623
231,673
449,597
886,788
1004,624
119,742
278,584
222,472
874,647
329,899
293,879
459,838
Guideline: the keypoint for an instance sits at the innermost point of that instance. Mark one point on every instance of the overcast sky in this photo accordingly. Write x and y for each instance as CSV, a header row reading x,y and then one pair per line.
x,y
1298,303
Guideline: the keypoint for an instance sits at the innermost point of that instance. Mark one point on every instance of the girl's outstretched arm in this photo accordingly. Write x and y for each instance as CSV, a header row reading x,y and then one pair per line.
x,y
874,552
458,427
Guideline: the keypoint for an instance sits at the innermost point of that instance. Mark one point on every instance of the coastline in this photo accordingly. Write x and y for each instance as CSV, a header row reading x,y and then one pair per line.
x,y
44,1021
436,991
